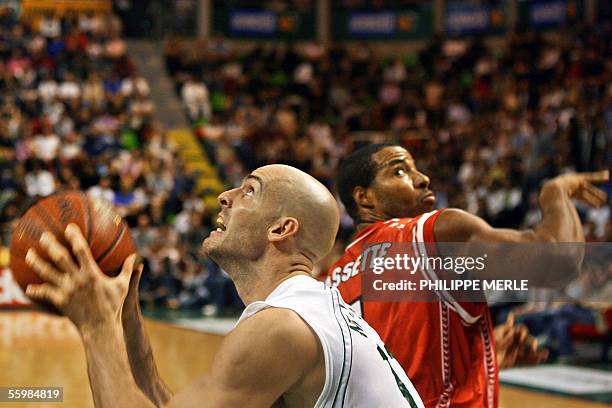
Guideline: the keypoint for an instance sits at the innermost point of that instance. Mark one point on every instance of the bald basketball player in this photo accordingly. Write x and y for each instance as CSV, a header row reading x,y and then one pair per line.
x,y
297,344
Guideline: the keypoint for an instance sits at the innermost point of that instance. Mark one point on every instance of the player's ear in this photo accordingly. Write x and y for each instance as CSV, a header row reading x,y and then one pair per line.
x,y
363,197
282,229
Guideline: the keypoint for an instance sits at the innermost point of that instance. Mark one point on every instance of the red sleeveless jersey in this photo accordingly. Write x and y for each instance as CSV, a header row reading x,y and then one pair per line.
x,y
446,347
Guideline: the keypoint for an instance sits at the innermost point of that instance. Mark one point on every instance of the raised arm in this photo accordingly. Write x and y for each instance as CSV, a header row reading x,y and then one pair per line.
x,y
560,224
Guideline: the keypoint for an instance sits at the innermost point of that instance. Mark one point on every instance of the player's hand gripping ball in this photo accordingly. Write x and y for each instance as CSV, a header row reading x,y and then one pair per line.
x,y
105,232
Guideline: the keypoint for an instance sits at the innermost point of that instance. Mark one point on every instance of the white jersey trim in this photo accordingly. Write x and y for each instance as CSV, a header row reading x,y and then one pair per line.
x,y
420,248
368,234
347,362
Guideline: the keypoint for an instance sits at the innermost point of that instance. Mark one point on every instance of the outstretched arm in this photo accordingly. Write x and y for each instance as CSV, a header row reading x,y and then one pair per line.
x,y
560,224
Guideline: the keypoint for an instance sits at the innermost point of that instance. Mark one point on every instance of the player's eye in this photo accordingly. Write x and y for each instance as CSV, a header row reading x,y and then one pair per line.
x,y
249,191
400,172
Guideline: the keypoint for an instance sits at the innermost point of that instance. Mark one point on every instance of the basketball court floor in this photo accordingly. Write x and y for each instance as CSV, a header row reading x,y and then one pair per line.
x,y
38,350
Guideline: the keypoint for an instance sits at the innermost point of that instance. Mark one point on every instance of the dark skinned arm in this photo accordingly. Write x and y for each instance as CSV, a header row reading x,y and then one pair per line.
x,y
552,264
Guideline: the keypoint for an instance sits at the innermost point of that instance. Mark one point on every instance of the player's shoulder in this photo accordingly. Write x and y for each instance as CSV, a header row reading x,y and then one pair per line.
x,y
453,224
273,332
276,322
283,327
267,353
409,223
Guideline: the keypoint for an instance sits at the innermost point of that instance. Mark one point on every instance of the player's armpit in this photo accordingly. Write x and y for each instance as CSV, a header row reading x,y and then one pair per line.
x,y
511,254
264,357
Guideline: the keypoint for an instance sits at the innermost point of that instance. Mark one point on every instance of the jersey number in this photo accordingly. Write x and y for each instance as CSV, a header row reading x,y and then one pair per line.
x,y
386,355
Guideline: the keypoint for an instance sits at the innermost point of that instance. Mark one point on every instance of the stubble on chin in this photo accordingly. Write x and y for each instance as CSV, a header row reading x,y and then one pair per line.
x,y
210,249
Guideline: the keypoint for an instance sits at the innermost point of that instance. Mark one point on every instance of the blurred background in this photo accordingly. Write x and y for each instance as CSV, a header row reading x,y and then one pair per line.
x,y
158,106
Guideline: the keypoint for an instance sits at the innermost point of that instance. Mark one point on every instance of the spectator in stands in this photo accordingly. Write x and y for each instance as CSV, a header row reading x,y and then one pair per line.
x,y
38,181
196,100
102,190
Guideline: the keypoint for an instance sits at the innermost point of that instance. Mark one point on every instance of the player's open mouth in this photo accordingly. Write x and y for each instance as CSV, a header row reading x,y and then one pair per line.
x,y
221,226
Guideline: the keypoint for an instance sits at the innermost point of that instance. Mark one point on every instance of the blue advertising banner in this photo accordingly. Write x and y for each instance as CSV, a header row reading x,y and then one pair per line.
x,y
547,13
363,24
252,22
390,24
472,19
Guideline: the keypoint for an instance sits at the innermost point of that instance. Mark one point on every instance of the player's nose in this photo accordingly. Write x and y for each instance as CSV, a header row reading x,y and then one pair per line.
x,y
421,181
225,199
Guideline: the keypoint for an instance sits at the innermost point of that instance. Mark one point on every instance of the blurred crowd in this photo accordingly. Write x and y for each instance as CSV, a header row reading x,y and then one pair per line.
x,y
75,114
486,124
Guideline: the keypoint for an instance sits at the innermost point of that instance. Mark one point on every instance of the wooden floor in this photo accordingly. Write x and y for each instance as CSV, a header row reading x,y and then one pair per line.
x,y
39,350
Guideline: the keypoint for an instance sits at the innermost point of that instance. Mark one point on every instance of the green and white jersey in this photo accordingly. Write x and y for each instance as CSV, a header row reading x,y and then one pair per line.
x,y
360,372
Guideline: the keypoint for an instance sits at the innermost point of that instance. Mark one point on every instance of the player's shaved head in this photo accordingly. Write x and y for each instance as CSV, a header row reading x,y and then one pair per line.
x,y
302,197
278,214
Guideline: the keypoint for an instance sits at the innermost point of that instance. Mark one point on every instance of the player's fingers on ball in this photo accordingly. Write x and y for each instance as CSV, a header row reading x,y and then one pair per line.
x,y
127,268
137,274
58,253
45,292
43,268
80,247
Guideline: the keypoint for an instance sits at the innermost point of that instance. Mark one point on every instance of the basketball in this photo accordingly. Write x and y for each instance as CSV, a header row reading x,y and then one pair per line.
x,y
106,232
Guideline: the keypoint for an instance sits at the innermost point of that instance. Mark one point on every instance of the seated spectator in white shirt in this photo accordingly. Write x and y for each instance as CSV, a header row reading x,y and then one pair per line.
x,y
72,148
46,145
135,84
69,89
47,88
39,182
102,191
196,99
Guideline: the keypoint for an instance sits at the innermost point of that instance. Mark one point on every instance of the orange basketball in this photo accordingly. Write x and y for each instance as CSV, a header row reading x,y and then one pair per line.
x,y
106,232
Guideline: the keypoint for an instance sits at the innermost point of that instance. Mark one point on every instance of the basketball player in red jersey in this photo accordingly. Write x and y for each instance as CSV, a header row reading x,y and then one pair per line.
x,y
446,347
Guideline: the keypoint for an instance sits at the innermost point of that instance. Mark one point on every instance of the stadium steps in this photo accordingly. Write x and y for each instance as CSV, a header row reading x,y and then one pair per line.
x,y
169,112
149,59
208,181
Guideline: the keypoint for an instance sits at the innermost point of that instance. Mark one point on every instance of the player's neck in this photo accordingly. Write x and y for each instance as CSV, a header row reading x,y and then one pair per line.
x,y
264,276
366,220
